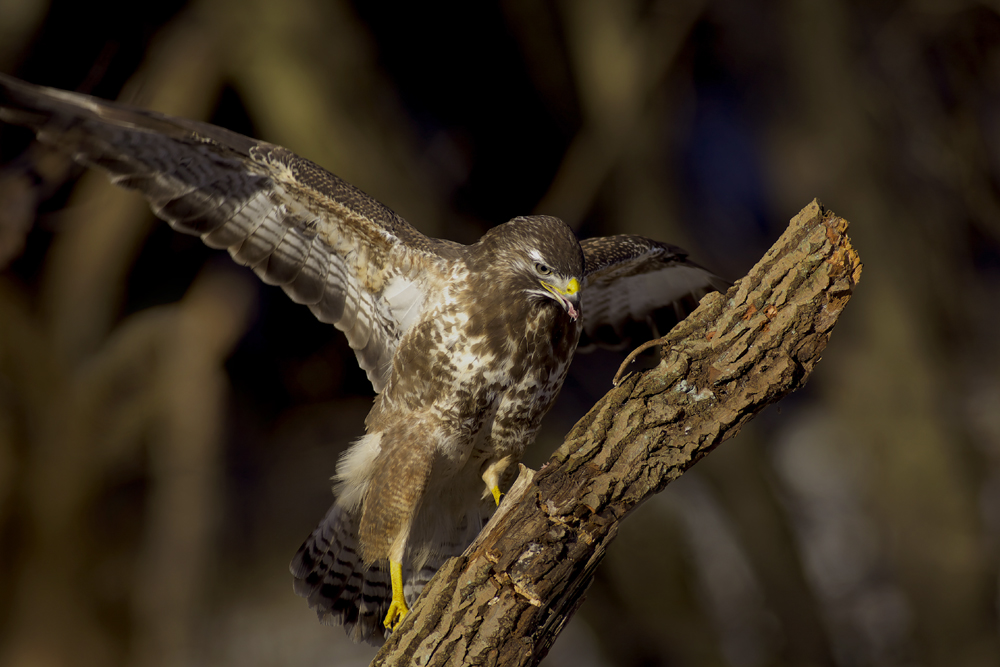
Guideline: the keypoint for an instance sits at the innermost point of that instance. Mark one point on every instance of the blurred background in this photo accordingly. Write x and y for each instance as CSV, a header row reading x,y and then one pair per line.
x,y
168,425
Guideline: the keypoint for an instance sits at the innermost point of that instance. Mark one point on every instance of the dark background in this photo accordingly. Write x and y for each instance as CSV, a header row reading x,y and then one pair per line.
x,y
168,426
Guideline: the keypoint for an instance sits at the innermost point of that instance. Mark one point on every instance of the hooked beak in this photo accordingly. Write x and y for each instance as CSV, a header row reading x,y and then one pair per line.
x,y
568,297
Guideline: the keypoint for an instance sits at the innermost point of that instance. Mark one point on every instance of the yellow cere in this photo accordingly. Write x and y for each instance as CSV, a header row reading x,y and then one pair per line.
x,y
572,287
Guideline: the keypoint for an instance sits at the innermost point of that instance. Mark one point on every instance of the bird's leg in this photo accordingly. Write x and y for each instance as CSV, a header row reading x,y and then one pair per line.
x,y
397,481
397,609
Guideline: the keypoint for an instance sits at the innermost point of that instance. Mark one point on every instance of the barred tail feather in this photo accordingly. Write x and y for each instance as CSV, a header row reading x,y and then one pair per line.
x,y
331,575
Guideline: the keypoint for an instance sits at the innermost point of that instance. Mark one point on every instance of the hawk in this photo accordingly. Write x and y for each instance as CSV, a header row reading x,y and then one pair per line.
x,y
466,346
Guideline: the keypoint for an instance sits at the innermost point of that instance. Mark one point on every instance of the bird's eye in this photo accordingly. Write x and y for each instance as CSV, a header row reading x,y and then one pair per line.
x,y
542,269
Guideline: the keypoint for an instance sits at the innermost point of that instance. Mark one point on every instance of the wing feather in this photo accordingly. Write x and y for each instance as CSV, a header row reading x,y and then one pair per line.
x,y
636,289
283,266
307,286
326,243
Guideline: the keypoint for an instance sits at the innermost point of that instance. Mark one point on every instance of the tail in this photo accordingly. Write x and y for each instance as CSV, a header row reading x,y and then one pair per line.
x,y
331,575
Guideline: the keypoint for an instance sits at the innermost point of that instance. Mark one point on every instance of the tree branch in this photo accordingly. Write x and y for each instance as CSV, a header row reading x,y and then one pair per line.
x,y
505,600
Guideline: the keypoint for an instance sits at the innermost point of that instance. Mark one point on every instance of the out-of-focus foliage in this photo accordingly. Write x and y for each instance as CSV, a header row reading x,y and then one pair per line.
x,y
168,426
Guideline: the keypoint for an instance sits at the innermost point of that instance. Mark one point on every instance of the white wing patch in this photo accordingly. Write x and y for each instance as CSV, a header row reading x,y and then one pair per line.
x,y
405,299
649,291
616,300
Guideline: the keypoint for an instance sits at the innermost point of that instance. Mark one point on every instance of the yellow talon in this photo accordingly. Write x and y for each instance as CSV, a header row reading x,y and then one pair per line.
x,y
496,494
397,609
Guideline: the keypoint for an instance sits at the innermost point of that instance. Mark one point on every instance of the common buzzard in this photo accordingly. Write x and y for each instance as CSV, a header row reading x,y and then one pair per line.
x,y
465,345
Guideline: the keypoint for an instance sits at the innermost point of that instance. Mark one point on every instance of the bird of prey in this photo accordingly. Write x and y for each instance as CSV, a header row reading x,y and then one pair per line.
x,y
465,345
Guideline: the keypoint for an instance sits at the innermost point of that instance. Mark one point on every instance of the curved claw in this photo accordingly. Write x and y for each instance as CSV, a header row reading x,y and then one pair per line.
x,y
397,612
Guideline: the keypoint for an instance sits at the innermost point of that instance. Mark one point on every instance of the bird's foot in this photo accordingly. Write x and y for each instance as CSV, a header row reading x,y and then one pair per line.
x,y
397,612
496,494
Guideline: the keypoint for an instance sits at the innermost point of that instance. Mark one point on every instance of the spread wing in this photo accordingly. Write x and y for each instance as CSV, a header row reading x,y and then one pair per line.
x,y
355,263
636,289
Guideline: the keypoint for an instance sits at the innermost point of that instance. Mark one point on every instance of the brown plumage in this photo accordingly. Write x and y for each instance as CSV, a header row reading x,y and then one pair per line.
x,y
466,346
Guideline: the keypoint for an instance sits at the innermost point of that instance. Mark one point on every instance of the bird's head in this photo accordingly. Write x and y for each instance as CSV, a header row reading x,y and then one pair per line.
x,y
542,257
564,288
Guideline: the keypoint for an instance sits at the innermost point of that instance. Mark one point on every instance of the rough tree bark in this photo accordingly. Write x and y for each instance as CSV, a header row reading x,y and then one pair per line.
x,y
505,600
